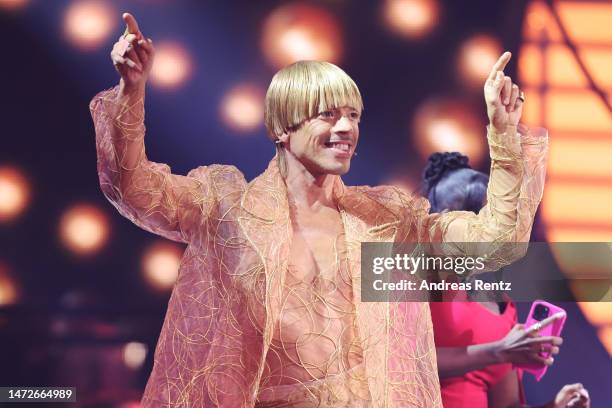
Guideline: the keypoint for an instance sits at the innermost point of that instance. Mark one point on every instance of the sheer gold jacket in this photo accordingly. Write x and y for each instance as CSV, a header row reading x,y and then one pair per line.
x,y
218,326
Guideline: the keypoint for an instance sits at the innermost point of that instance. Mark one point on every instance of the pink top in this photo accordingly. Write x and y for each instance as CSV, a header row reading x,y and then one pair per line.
x,y
459,324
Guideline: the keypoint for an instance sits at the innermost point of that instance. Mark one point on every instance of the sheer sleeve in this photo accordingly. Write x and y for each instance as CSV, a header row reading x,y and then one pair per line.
x,y
145,192
518,168
534,146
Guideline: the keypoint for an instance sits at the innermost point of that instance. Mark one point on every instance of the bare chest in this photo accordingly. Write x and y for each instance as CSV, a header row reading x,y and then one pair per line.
x,y
314,335
318,246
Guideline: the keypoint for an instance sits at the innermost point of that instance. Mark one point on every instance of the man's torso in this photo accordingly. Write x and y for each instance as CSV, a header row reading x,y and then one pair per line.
x,y
315,334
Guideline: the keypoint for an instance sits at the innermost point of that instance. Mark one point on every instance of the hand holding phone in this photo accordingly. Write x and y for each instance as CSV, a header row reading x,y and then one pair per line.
x,y
545,320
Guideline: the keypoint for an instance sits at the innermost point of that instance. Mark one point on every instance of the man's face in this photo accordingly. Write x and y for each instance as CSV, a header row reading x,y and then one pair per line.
x,y
326,143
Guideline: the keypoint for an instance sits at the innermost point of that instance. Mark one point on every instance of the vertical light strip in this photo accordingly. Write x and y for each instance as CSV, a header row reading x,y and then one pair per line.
x,y
580,125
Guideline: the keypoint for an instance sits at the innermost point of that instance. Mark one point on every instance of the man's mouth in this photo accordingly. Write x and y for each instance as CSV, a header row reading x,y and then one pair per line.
x,y
339,145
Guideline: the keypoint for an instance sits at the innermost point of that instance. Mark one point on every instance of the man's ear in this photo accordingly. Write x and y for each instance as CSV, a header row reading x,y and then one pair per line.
x,y
284,138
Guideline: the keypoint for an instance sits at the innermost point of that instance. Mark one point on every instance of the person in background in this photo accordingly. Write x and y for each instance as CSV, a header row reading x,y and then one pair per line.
x,y
478,343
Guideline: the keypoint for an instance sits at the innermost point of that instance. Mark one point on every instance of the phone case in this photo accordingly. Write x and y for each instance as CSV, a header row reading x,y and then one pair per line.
x,y
553,329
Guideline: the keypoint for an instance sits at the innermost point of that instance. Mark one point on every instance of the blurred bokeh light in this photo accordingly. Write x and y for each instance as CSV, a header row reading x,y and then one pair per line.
x,y
160,264
598,313
89,23
130,404
448,125
134,354
9,293
560,99
84,229
172,66
605,336
476,57
411,18
299,31
13,4
242,107
404,182
14,193
575,206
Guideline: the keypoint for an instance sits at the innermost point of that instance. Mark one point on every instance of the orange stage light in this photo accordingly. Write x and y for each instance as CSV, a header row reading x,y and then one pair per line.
x,y
299,31
130,404
134,354
14,193
587,21
605,336
160,265
559,98
84,229
411,18
9,293
442,125
13,4
402,181
242,108
476,57
89,23
599,313
575,205
172,66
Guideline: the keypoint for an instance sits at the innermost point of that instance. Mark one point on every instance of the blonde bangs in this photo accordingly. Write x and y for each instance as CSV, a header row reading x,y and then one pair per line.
x,y
303,90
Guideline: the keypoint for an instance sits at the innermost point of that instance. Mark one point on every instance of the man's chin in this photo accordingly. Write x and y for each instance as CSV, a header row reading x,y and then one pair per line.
x,y
338,170
332,168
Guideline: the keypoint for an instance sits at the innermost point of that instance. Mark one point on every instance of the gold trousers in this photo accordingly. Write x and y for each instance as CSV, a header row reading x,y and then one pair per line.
x,y
348,389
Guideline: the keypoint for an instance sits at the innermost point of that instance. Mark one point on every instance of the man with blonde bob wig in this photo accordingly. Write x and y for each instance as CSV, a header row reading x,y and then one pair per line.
x,y
266,311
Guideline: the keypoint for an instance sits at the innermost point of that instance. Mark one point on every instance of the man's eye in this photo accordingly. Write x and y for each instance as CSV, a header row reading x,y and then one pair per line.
x,y
355,115
327,114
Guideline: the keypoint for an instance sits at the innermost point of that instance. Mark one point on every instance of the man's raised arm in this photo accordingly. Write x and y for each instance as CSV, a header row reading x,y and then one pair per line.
x,y
518,160
143,191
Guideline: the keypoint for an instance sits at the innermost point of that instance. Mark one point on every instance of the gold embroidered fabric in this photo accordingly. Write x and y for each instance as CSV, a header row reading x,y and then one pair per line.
x,y
235,284
348,389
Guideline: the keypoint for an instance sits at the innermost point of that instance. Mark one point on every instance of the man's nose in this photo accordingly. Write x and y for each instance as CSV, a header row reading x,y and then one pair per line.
x,y
343,124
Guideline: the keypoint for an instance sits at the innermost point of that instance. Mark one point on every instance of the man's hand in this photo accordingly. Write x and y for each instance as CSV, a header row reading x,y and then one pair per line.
x,y
503,98
132,56
524,347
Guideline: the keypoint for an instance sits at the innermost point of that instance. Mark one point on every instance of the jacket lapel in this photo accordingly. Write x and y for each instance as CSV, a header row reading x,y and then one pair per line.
x,y
366,219
265,222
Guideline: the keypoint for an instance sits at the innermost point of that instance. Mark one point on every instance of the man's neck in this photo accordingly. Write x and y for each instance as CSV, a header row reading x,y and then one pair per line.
x,y
308,191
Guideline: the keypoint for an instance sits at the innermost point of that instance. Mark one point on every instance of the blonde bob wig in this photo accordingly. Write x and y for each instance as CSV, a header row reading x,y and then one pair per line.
x,y
301,91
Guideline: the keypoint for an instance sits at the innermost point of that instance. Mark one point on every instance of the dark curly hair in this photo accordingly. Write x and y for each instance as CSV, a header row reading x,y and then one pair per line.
x,y
451,184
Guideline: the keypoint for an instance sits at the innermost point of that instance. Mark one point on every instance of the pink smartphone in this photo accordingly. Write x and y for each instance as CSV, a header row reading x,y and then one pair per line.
x,y
540,310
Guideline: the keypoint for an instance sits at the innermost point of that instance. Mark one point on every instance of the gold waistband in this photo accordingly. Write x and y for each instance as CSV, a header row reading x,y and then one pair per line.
x,y
348,389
